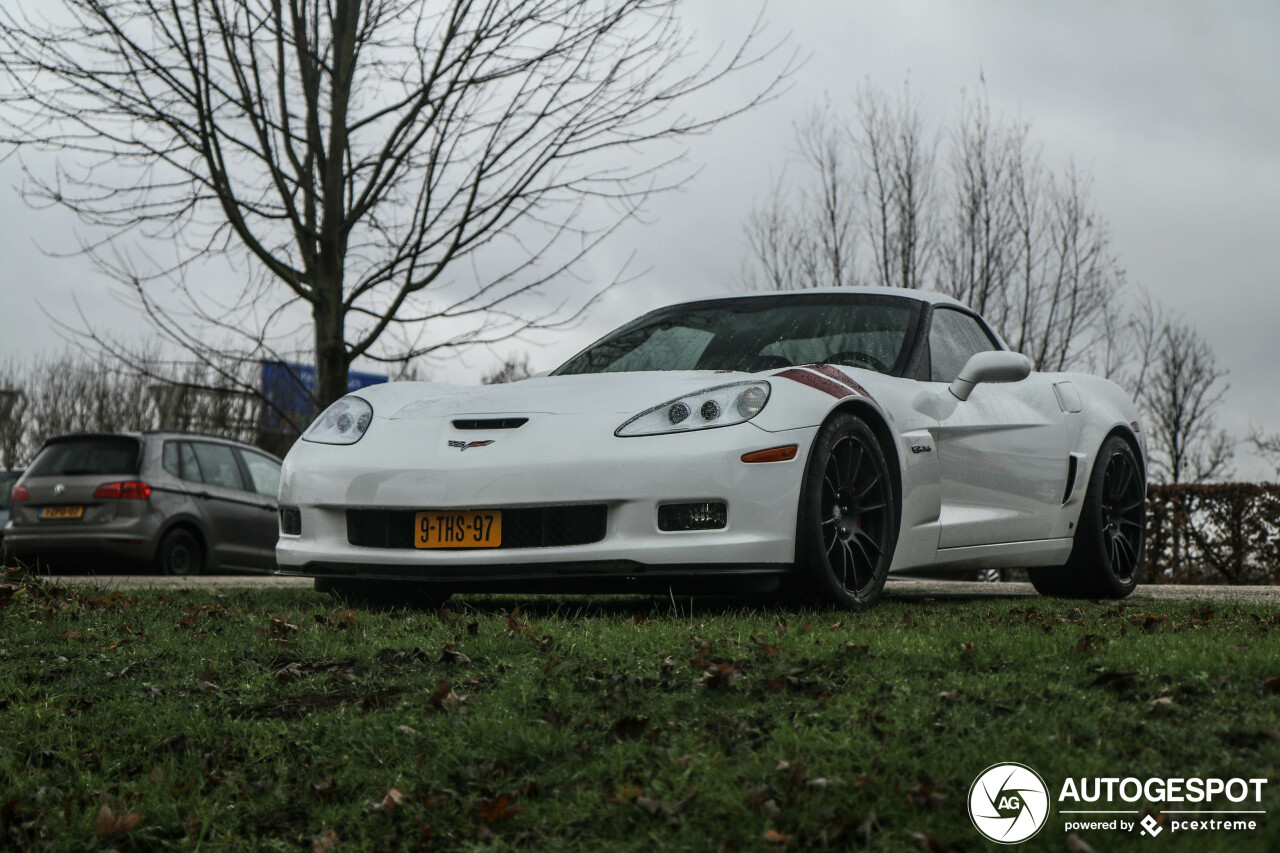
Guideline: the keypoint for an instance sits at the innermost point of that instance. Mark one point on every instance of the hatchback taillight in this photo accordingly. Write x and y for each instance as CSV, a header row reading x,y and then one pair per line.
x,y
131,490
19,493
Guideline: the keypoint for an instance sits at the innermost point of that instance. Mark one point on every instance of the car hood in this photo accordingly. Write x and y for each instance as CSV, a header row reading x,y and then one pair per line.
x,y
599,393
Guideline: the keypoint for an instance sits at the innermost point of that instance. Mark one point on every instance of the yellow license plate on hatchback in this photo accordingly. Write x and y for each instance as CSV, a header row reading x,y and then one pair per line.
x,y
470,528
62,512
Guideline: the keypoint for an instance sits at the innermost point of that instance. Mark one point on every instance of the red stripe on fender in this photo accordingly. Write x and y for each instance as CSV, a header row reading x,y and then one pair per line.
x,y
840,376
813,380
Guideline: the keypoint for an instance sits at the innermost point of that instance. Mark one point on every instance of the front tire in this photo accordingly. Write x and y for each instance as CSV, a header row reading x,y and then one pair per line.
x,y
848,520
1110,541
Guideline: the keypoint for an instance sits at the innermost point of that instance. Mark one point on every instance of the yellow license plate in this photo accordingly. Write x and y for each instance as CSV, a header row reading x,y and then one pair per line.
x,y
62,512
465,528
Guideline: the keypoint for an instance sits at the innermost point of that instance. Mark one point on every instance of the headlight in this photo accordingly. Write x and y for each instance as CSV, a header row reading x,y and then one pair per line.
x,y
342,423
724,405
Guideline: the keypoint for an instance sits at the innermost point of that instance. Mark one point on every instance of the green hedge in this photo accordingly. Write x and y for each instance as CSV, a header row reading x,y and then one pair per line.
x,y
1221,533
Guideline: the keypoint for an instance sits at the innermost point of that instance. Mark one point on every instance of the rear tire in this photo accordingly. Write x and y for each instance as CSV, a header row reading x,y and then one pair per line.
x,y
384,595
1110,542
848,520
180,554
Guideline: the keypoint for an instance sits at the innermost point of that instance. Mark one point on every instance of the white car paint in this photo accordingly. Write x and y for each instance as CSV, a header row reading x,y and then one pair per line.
x,y
981,481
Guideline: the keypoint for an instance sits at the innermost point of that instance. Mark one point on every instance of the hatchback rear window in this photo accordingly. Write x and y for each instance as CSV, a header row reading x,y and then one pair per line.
x,y
97,455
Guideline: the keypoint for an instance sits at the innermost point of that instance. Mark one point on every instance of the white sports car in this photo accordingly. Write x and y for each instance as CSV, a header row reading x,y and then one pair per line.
x,y
810,442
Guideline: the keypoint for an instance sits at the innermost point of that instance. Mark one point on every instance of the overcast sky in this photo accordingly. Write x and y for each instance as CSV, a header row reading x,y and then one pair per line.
x,y
1174,108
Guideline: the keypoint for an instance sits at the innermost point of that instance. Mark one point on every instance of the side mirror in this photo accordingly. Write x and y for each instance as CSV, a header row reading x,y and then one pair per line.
x,y
998,366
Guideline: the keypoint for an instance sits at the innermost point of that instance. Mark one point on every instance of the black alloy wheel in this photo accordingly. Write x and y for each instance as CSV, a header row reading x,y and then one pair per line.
x,y
848,524
1110,540
1123,514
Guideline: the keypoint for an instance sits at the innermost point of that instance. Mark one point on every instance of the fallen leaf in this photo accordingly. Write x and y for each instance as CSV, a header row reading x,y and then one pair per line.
x,y
325,841
772,836
927,842
444,699
109,823
651,806
1082,644
1076,844
866,828
499,809
1159,703
449,656
393,798
1271,685
409,730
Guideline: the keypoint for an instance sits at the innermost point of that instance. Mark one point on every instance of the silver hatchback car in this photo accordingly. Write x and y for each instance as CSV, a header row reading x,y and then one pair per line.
x,y
180,502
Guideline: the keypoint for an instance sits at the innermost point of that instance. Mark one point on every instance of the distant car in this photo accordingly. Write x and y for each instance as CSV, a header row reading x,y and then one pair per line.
x,y
7,479
814,440
179,502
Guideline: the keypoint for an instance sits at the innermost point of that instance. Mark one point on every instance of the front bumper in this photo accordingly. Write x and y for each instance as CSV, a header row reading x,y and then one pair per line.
x,y
550,461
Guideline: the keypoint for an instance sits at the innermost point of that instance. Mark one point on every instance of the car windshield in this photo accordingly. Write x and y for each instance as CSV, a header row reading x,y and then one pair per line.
x,y
104,454
752,334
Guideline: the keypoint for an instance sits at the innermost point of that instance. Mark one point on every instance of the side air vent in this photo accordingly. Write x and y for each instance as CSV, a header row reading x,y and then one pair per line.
x,y
1073,465
489,423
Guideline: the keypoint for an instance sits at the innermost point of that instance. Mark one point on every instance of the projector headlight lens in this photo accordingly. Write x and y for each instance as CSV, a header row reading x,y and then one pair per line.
x,y
345,422
721,406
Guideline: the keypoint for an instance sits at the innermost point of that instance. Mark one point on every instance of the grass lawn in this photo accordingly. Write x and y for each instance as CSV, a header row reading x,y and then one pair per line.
x,y
277,720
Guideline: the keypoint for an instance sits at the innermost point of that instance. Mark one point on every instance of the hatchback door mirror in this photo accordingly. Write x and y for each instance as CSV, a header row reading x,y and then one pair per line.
x,y
996,366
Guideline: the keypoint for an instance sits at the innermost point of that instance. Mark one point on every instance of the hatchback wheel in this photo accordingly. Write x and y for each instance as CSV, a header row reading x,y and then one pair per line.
x,y
180,554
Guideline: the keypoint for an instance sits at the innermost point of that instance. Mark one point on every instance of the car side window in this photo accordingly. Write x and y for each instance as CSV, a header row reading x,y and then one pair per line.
x,y
264,472
954,337
218,465
180,461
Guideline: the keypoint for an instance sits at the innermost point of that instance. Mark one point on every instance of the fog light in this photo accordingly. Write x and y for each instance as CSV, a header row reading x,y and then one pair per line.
x,y
707,515
290,521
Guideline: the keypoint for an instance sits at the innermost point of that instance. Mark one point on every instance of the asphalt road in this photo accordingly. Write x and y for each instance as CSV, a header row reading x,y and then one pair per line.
x,y
903,589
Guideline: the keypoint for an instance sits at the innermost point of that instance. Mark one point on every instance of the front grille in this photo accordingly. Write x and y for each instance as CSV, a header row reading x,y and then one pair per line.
x,y
522,527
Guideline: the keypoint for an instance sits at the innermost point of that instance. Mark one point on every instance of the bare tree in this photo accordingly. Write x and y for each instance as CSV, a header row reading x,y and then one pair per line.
x,y
809,238
897,159
513,369
992,227
869,196
1266,445
352,157
1179,391
979,244
72,392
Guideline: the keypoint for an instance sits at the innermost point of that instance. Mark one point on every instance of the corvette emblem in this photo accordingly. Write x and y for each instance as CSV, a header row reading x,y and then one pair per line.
x,y
59,489
464,445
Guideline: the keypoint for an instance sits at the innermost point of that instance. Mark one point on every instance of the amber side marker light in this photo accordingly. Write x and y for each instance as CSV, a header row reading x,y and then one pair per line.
x,y
773,454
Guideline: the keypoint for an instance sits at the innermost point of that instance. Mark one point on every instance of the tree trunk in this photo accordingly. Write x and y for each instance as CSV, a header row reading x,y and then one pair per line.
x,y
331,348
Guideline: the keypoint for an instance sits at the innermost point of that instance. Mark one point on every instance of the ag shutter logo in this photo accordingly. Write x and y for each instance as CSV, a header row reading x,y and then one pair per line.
x,y
1008,803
